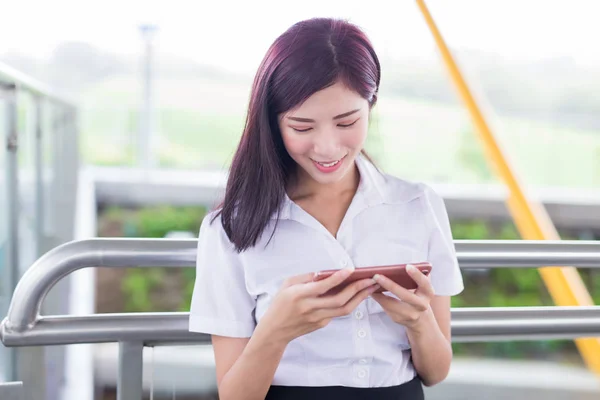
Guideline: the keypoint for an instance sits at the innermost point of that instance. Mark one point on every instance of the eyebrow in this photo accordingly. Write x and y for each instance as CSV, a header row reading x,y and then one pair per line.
x,y
336,117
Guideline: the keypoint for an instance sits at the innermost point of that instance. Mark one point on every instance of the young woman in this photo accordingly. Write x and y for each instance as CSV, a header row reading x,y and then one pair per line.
x,y
302,196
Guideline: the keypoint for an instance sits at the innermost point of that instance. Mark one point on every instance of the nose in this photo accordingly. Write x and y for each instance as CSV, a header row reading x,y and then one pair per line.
x,y
326,145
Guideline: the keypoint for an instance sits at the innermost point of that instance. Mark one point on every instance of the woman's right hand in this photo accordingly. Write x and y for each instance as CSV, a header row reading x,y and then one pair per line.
x,y
301,307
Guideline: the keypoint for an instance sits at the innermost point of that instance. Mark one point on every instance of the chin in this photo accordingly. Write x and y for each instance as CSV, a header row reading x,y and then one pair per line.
x,y
329,178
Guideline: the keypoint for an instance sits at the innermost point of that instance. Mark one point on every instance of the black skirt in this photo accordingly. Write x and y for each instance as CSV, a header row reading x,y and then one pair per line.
x,y
412,390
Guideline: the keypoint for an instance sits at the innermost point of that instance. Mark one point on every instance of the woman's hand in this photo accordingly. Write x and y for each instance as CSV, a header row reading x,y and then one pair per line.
x,y
301,307
413,305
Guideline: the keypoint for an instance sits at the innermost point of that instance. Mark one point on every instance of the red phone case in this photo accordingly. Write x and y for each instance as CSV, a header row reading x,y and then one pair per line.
x,y
396,273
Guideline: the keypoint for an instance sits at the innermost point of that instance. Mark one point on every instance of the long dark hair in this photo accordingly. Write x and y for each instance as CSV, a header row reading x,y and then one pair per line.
x,y
310,56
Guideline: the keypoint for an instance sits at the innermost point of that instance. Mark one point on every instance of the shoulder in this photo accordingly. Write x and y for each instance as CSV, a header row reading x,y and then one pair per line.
x,y
421,195
398,190
212,222
212,233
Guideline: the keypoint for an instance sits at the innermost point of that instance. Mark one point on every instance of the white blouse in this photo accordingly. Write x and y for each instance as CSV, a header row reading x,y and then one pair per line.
x,y
390,221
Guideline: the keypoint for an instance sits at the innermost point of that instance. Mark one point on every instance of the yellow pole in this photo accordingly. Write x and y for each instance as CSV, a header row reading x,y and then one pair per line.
x,y
532,220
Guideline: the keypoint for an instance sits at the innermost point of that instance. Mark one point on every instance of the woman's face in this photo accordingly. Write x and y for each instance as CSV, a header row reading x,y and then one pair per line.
x,y
326,132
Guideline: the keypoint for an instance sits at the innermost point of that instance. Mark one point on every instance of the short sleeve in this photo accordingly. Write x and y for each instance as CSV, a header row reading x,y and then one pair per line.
x,y
221,304
446,277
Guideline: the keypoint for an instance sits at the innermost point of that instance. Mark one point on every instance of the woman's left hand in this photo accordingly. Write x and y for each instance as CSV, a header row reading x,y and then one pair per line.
x,y
413,304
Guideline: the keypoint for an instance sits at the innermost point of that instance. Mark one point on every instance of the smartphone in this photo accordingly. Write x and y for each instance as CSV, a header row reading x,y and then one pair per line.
x,y
396,273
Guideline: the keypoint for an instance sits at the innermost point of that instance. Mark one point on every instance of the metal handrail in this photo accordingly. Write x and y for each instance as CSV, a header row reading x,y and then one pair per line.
x,y
11,76
23,325
70,257
153,329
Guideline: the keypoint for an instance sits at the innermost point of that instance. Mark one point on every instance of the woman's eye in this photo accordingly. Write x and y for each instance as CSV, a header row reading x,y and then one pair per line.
x,y
347,125
301,130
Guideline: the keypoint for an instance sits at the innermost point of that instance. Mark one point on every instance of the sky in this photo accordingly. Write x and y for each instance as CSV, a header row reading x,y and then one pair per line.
x,y
235,34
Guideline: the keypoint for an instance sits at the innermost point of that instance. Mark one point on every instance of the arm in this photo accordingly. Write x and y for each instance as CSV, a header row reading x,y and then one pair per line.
x,y
427,321
430,342
222,307
430,336
246,366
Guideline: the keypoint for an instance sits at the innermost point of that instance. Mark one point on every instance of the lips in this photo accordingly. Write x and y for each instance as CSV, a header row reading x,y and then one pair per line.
x,y
328,166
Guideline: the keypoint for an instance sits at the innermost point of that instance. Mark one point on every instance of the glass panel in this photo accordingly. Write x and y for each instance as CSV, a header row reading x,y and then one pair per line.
x,y
3,210
48,172
4,276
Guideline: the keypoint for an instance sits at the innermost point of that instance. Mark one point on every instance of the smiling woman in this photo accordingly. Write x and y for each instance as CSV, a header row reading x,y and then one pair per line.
x,y
326,144
302,196
314,73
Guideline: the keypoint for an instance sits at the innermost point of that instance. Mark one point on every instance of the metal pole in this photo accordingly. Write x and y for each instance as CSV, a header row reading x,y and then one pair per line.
x,y
5,293
39,176
52,358
12,270
533,222
468,324
146,129
70,257
129,386
120,253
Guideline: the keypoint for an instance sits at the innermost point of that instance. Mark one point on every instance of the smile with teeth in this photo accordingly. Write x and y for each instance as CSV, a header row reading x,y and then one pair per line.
x,y
328,165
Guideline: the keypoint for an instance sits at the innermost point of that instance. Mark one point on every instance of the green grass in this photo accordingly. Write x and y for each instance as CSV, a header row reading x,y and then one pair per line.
x,y
426,141
199,123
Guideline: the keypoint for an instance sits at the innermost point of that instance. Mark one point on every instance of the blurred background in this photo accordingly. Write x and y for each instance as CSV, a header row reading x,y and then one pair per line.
x,y
534,63
164,86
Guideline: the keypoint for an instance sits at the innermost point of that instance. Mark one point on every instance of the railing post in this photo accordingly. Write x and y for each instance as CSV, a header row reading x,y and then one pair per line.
x,y
11,391
129,386
11,275
39,174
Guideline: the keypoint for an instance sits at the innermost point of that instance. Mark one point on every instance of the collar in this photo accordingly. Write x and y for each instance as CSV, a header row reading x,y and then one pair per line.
x,y
373,183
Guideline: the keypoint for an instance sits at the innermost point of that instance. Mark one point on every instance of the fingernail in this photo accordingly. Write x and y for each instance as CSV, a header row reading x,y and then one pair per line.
x,y
410,267
349,269
376,277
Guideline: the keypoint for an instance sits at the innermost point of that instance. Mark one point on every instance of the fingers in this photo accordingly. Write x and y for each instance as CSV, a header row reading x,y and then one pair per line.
x,y
349,306
400,312
386,302
323,286
402,293
423,281
343,297
295,280
358,298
